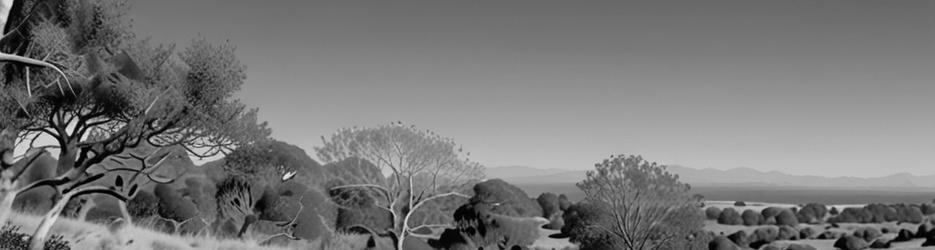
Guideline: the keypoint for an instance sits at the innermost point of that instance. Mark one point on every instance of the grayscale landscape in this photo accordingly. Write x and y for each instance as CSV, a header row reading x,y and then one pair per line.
x,y
467,125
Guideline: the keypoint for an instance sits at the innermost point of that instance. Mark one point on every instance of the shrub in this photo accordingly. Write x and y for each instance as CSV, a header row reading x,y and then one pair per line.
x,y
740,204
787,217
819,210
851,243
143,205
729,216
549,204
556,221
770,212
807,233
511,199
578,220
712,213
868,234
788,233
763,235
722,243
172,205
834,211
740,238
853,215
12,239
927,208
563,202
751,218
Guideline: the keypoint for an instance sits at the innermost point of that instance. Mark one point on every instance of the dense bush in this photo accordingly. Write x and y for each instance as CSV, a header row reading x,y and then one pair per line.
x,y
722,243
787,217
807,233
563,202
928,208
511,200
729,216
549,204
788,233
12,239
483,227
868,234
812,213
763,235
751,218
143,205
579,219
849,242
769,215
740,204
740,238
556,221
172,205
853,215
37,200
834,211
712,213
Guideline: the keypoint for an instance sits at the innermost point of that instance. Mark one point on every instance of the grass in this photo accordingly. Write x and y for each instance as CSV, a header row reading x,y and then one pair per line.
x,y
85,235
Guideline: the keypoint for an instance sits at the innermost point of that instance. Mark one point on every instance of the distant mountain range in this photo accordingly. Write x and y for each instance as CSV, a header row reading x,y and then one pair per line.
x,y
717,177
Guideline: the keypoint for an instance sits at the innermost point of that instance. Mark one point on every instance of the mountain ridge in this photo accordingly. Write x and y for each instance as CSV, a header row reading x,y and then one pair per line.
x,y
733,176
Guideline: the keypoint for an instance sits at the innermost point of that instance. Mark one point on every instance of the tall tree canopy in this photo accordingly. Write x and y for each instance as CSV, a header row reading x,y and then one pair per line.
x,y
422,167
75,74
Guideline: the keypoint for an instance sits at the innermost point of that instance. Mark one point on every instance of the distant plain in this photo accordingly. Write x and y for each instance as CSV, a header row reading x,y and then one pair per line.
x,y
771,194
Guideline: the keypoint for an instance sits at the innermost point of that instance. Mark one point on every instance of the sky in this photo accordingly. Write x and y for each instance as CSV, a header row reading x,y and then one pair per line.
x,y
834,88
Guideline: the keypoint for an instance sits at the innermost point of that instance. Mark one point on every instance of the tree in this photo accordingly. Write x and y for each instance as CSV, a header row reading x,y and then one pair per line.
x,y
76,76
648,207
422,168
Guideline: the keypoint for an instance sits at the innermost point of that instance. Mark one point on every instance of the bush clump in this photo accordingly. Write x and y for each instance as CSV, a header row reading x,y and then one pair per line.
x,y
787,217
751,218
712,213
729,216
740,204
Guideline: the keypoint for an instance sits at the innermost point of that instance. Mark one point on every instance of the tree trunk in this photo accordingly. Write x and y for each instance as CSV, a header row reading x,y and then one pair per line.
x,y
85,209
6,205
42,232
8,190
125,212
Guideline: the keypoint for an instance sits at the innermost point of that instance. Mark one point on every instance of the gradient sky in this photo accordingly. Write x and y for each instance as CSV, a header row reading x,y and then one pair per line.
x,y
803,87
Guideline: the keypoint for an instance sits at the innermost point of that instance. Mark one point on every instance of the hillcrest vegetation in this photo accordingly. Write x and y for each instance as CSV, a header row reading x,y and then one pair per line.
x,y
100,130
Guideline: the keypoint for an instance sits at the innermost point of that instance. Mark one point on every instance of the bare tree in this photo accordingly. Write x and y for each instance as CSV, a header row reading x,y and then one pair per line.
x,y
422,167
647,207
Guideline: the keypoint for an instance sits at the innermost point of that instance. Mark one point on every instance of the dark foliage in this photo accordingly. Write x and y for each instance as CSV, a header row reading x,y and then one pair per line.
x,y
740,204
172,205
849,242
762,236
577,219
712,213
729,216
740,238
787,217
144,204
563,202
505,199
549,203
12,239
722,243
751,218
